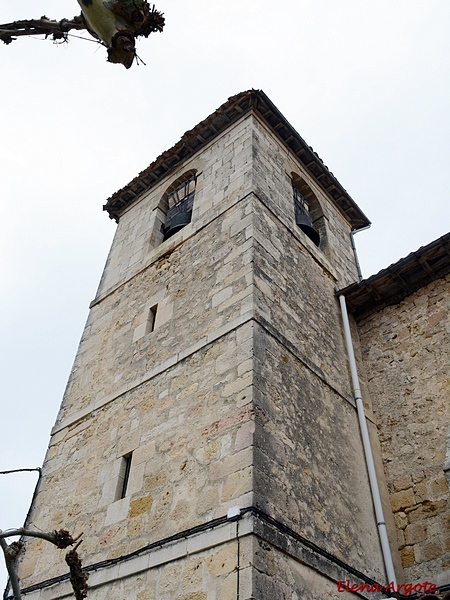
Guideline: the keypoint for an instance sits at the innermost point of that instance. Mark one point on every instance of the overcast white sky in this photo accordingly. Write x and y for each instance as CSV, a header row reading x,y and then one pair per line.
x,y
366,83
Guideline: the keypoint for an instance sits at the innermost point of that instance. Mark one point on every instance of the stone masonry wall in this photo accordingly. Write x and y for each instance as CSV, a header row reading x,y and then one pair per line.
x,y
179,397
209,424
224,176
272,168
180,571
199,283
190,431
309,465
406,350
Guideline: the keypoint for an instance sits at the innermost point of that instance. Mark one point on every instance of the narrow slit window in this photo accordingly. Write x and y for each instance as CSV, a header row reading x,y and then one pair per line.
x,y
124,476
151,319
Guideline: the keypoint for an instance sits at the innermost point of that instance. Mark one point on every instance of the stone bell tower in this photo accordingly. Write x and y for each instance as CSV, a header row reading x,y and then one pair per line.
x,y
207,444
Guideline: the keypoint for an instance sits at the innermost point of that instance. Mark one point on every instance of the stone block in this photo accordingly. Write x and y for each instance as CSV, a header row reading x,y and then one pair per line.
x,y
198,595
139,506
402,483
221,296
136,478
237,386
421,492
401,520
237,484
237,298
223,561
415,514
415,533
109,491
241,224
245,366
103,576
164,314
144,453
228,587
192,573
432,551
128,442
211,538
169,579
148,594
134,565
439,487
139,332
244,333
402,499
407,556
432,508
244,435
117,511
168,553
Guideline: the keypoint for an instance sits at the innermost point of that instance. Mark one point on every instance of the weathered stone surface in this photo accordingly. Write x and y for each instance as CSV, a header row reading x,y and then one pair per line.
x,y
415,533
406,358
402,500
238,395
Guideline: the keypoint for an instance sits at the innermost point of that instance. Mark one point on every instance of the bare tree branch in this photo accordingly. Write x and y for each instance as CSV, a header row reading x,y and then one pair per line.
x,y
9,560
114,23
61,539
78,578
56,29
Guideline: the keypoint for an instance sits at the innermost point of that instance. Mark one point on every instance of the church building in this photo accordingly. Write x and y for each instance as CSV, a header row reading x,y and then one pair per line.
x,y
246,419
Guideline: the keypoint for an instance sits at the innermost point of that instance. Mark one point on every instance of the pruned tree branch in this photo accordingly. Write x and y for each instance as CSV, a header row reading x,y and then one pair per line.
x,y
57,30
78,578
113,23
61,539
9,561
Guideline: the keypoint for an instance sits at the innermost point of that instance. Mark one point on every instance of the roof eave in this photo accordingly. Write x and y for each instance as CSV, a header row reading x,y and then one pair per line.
x,y
203,133
399,280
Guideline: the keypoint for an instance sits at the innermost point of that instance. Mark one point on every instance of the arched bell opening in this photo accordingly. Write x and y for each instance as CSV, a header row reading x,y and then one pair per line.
x,y
308,212
177,203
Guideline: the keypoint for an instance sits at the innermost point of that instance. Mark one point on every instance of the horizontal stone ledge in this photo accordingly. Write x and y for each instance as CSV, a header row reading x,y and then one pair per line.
x,y
157,370
215,536
239,523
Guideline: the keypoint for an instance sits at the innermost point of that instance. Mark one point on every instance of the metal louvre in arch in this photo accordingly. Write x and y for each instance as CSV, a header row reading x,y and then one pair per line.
x,y
178,201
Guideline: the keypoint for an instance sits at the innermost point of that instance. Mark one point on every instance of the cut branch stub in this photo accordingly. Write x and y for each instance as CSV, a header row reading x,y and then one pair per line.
x,y
118,23
62,538
12,550
114,23
78,578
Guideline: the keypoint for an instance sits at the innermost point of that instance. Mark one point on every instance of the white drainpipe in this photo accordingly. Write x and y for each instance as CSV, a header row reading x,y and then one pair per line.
x,y
352,240
387,556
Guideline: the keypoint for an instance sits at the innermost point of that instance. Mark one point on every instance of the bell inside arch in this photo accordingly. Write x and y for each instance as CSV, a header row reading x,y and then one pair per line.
x,y
176,222
303,221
